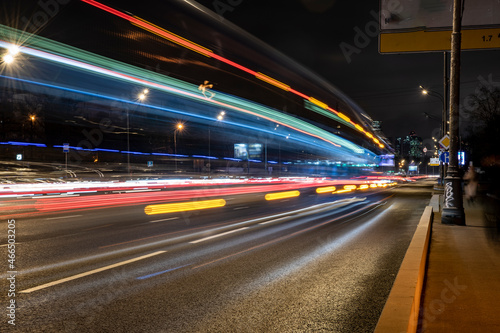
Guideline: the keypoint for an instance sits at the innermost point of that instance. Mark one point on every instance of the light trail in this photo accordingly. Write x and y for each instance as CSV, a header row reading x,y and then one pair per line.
x,y
218,235
205,51
184,206
36,205
229,102
279,239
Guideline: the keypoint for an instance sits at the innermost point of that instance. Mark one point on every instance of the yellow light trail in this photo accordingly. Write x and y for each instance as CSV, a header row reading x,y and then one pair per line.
x,y
318,103
328,189
272,81
344,117
341,191
282,195
183,206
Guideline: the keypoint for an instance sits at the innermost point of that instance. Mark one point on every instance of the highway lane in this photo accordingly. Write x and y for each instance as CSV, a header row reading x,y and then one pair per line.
x,y
80,234
232,269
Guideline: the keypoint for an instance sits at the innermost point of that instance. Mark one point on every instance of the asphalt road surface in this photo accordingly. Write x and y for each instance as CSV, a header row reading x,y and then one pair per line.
x,y
309,264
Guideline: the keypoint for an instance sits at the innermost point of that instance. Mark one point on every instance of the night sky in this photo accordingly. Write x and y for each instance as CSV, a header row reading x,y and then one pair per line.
x,y
385,86
311,32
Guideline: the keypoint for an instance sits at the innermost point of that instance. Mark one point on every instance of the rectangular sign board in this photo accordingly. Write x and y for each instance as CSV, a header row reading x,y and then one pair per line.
x,y
425,26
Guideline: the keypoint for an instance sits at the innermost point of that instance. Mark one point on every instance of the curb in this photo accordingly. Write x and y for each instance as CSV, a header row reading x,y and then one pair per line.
x,y
400,313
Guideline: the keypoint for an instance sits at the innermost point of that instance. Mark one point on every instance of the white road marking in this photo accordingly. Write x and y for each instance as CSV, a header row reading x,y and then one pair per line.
x,y
238,208
169,219
16,243
62,217
274,220
218,235
74,277
63,195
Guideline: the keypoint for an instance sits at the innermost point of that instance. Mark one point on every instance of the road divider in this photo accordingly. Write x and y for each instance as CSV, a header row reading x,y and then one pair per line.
x,y
400,313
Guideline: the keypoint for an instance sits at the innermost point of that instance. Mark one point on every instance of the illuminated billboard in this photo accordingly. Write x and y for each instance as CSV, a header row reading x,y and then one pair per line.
x,y
241,151
386,160
245,151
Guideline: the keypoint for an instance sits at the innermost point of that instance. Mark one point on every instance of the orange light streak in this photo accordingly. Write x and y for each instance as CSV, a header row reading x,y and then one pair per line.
x,y
207,52
272,81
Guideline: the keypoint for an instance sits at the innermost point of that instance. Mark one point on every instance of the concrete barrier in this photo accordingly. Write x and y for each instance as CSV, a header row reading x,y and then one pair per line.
x,y
400,313
435,203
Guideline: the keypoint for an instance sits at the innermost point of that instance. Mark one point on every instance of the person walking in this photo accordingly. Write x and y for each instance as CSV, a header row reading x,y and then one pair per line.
x,y
470,188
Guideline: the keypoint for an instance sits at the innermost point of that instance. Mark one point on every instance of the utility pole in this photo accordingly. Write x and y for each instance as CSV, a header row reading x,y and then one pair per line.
x,y
444,127
453,210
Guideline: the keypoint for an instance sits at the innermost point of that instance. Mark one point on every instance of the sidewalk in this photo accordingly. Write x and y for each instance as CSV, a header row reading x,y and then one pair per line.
x,y
461,292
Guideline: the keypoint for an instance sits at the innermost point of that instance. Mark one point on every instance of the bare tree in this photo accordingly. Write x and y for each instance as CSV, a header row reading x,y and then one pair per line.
x,y
484,124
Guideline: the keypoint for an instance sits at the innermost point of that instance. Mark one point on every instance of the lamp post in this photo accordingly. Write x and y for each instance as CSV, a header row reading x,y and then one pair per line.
x,y
453,209
179,127
443,101
141,97
443,123
220,117
32,118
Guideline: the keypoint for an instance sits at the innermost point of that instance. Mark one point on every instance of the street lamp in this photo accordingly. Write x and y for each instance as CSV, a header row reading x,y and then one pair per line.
x,y
453,209
220,117
179,127
443,122
141,97
9,57
32,118
441,98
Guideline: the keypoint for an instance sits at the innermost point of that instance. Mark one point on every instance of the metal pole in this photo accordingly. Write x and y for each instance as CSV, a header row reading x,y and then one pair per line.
x,y
175,148
209,153
444,117
265,164
128,144
445,93
453,210
279,158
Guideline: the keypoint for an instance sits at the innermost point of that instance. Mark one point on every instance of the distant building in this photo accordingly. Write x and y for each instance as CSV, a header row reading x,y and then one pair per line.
x,y
409,147
377,125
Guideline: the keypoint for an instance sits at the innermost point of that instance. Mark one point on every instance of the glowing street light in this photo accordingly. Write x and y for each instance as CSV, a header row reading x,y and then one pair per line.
x,y
141,97
443,121
179,127
32,118
9,57
220,117
14,50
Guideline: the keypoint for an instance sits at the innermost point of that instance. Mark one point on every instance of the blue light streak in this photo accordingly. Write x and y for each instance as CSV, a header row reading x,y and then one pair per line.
x,y
159,273
134,152
171,155
15,143
206,157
